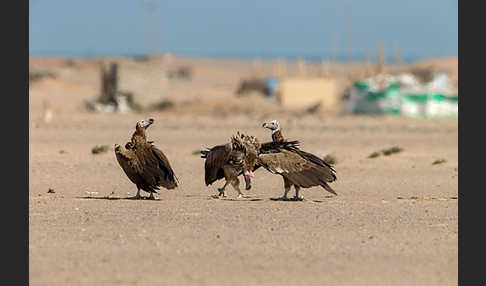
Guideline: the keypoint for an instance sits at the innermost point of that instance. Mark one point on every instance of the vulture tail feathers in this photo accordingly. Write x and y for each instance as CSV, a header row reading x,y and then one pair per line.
x,y
329,189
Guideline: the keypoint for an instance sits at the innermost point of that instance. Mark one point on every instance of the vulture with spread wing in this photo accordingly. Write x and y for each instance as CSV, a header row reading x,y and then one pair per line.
x,y
238,157
144,164
298,168
228,161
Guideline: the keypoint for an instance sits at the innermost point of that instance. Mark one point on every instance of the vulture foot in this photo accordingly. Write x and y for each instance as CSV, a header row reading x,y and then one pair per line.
x,y
137,197
151,197
298,198
221,193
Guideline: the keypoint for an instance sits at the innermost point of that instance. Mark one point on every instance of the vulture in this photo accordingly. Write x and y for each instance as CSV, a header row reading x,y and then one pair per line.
x,y
298,168
235,158
144,164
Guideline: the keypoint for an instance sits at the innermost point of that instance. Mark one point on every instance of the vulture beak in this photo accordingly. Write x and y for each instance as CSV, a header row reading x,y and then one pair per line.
x,y
147,122
272,125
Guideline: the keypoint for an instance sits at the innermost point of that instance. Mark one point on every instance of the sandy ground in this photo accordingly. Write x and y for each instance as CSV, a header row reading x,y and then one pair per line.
x,y
394,221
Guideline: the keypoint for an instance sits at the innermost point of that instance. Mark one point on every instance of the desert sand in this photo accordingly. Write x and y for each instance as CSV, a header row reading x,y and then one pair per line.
x,y
394,221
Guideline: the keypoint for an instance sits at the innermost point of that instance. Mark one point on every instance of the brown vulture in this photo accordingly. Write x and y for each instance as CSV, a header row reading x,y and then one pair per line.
x,y
238,157
145,165
298,168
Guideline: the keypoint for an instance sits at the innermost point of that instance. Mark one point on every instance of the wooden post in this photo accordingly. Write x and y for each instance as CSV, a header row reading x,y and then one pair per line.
x,y
109,83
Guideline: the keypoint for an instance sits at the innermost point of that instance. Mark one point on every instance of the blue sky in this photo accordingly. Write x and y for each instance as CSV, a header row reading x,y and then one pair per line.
x,y
250,28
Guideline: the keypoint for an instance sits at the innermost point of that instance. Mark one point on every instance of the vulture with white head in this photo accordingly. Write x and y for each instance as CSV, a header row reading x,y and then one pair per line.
x,y
298,168
144,164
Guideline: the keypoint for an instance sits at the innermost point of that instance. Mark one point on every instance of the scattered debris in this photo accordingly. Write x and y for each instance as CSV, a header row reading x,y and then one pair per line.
x,y
62,152
423,94
330,159
99,149
314,108
253,84
50,191
392,150
163,105
122,103
386,152
374,155
37,75
91,193
439,161
70,63
183,72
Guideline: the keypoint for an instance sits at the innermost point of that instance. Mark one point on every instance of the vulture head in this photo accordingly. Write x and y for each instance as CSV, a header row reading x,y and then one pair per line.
x,y
141,126
144,123
272,125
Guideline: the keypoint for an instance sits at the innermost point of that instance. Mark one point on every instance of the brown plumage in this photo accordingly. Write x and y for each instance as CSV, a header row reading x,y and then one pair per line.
x,y
240,156
297,167
229,161
144,164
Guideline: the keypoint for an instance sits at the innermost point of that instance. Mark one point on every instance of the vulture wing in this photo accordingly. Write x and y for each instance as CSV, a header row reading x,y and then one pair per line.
x,y
314,159
156,168
276,147
300,171
130,165
167,177
216,158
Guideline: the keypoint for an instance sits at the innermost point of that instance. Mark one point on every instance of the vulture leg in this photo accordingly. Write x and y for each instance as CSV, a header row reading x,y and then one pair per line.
x,y
231,176
287,185
221,190
236,186
297,197
137,196
151,196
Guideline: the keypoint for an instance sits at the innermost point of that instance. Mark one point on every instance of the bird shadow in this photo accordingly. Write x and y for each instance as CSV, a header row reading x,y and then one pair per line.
x,y
286,200
297,200
116,198
191,196
244,199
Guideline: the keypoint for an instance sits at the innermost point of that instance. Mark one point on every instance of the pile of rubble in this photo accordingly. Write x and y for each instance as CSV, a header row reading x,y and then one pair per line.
x,y
404,94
